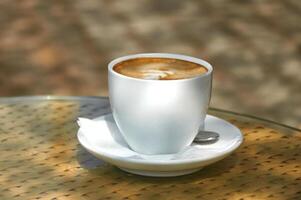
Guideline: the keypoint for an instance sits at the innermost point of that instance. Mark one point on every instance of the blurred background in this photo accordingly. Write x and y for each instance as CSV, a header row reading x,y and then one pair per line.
x,y
62,47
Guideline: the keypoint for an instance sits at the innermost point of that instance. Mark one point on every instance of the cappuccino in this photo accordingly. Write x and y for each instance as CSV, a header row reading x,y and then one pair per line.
x,y
164,114
159,68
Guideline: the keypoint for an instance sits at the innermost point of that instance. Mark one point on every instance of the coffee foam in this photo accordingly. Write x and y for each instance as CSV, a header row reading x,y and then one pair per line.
x,y
153,74
154,71
159,68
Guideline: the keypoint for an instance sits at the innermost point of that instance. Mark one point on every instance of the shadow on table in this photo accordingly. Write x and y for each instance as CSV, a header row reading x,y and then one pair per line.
x,y
88,161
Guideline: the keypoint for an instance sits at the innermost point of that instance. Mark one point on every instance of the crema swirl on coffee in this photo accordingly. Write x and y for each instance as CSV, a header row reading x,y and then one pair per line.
x,y
159,68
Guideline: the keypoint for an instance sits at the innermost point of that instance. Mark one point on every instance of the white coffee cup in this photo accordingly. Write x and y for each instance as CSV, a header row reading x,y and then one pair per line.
x,y
159,116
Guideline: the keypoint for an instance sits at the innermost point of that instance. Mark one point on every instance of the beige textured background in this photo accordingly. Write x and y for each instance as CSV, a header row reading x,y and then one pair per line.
x,y
62,47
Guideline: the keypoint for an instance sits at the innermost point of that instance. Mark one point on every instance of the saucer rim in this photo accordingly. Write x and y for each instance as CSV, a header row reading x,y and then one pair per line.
x,y
147,162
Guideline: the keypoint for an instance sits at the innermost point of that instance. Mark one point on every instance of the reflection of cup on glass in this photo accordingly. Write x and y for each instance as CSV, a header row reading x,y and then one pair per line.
x,y
159,101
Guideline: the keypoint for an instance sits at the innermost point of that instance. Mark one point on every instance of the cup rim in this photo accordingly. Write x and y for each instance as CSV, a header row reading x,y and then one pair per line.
x,y
199,61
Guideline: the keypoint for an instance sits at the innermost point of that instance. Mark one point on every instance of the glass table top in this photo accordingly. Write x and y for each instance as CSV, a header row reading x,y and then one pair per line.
x,y
42,159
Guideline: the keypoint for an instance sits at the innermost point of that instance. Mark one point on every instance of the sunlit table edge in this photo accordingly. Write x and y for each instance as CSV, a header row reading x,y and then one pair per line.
x,y
16,99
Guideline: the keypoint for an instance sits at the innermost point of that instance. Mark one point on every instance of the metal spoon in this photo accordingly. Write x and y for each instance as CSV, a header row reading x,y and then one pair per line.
x,y
205,137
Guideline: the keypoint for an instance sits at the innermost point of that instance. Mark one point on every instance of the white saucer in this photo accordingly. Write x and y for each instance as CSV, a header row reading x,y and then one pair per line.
x,y
102,138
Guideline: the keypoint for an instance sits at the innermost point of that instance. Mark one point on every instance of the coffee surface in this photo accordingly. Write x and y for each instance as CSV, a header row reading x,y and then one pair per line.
x,y
159,68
